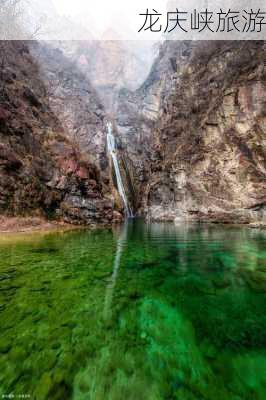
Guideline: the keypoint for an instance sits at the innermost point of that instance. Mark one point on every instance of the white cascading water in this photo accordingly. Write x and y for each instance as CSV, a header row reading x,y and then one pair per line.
x,y
112,150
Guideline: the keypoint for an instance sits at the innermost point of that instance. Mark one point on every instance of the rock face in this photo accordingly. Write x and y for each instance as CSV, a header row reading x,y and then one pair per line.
x,y
73,99
83,80
191,140
114,64
200,121
137,117
109,65
42,172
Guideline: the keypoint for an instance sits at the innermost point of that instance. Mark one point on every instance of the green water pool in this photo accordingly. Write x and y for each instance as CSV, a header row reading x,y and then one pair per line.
x,y
135,312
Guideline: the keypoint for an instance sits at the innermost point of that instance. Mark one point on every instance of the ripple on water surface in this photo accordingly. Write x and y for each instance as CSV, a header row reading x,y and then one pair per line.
x,y
141,311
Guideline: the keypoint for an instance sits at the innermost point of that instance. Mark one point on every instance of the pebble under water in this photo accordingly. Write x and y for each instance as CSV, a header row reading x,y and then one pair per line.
x,y
137,312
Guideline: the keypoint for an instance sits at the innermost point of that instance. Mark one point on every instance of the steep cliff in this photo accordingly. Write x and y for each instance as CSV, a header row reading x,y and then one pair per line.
x,y
73,99
42,172
137,117
191,139
202,113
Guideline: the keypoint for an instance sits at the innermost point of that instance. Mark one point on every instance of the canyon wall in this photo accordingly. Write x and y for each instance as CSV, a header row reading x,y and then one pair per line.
x,y
73,100
42,170
83,80
200,121
190,139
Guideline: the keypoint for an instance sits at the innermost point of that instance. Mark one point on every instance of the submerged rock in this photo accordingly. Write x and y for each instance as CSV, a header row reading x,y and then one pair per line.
x,y
256,280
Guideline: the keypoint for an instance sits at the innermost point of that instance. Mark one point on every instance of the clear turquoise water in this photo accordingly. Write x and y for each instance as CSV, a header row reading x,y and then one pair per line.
x,y
134,312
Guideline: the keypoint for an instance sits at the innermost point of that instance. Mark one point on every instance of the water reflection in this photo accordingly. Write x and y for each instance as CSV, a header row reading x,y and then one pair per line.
x,y
121,242
141,311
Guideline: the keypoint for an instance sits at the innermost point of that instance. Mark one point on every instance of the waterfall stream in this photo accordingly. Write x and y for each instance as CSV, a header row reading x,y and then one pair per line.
x,y
111,146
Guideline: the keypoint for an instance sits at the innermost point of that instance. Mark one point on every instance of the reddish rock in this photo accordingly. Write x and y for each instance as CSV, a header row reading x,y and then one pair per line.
x,y
4,114
8,159
92,183
82,173
69,166
41,171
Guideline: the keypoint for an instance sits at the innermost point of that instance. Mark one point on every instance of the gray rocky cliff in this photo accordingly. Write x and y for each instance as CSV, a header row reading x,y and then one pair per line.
x,y
199,125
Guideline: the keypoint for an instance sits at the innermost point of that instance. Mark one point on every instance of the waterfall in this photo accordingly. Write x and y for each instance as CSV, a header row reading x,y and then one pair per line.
x,y
112,150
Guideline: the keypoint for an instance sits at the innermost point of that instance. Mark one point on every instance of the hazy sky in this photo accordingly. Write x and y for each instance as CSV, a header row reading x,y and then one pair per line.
x,y
120,19
106,13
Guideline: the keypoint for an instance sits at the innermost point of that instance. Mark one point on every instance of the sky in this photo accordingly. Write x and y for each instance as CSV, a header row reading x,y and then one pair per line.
x,y
123,16
121,19
107,14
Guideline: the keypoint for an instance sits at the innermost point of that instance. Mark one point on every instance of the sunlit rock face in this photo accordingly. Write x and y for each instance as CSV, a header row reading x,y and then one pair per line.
x,y
202,113
42,170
